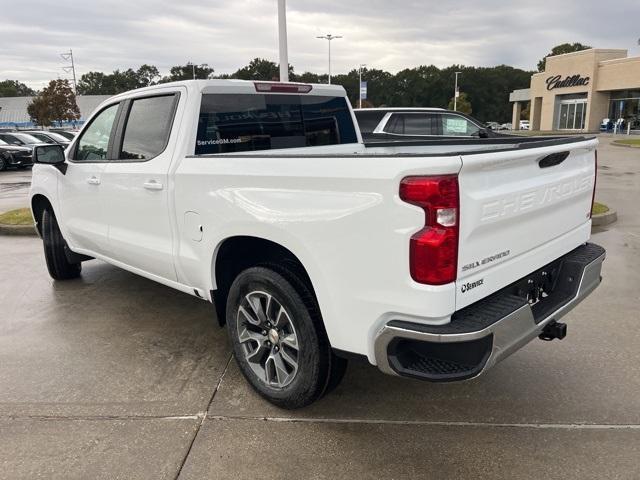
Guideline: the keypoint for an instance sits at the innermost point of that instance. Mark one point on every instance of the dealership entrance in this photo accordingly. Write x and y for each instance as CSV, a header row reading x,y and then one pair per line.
x,y
580,90
572,114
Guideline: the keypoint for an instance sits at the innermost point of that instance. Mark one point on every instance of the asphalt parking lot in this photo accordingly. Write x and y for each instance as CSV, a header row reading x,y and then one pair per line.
x,y
14,189
114,376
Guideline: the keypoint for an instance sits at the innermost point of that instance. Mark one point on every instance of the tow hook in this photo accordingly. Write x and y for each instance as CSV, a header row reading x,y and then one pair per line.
x,y
553,330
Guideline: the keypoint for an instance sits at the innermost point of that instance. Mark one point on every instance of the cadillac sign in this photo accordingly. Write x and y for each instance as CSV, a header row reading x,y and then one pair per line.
x,y
570,81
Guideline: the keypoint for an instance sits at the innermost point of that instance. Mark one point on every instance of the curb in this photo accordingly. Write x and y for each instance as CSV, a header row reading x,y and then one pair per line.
x,y
604,218
623,145
29,230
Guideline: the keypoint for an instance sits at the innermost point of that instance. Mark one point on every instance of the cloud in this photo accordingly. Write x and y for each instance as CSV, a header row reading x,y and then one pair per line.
x,y
110,34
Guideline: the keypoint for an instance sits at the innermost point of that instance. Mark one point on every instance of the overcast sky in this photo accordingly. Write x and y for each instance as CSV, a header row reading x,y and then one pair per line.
x,y
391,35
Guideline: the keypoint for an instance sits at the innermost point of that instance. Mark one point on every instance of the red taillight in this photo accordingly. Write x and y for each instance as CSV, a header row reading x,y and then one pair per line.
x,y
433,252
595,179
282,87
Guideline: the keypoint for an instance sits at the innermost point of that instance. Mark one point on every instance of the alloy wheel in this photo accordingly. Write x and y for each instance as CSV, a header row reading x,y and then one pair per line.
x,y
268,339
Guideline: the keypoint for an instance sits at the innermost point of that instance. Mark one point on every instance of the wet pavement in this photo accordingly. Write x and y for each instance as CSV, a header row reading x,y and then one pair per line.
x,y
114,376
14,189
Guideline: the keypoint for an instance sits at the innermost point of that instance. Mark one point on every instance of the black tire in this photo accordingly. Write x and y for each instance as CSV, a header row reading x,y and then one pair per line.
x,y
54,250
319,370
4,157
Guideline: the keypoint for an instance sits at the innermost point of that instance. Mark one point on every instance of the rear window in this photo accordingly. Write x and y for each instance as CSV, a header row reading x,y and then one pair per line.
x,y
248,122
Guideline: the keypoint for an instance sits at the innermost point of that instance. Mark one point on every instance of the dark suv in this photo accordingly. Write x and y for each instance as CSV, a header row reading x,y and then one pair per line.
x,y
391,124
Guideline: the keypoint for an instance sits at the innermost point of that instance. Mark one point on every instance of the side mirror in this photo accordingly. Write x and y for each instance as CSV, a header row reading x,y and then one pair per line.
x,y
50,155
484,133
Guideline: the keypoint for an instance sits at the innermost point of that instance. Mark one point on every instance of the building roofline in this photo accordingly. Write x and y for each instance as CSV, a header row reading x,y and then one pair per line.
x,y
589,50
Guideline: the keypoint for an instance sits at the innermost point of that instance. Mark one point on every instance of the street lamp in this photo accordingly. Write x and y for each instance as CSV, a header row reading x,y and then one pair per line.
x,y
329,37
360,67
193,67
455,93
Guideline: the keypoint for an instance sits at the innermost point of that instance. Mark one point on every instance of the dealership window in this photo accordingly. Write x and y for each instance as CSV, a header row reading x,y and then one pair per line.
x,y
239,123
624,108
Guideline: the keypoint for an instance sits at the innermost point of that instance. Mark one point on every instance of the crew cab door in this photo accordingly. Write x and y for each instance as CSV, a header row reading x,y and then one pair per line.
x,y
137,188
80,191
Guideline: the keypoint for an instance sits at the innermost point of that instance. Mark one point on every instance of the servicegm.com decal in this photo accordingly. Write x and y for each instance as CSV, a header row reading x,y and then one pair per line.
x,y
471,285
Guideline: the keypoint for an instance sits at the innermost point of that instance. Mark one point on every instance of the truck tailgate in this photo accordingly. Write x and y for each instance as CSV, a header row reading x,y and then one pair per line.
x,y
519,210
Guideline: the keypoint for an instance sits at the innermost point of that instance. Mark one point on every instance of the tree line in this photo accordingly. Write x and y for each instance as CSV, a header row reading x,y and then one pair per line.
x,y
484,90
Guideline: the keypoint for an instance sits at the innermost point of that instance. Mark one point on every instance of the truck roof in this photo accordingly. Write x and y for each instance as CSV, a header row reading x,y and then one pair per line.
x,y
243,87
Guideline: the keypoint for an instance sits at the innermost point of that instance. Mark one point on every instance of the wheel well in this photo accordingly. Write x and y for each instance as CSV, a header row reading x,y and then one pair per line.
x,y
239,253
39,203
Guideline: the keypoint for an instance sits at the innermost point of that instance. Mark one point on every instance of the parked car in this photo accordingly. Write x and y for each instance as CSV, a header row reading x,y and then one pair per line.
x,y
432,261
48,137
524,124
14,156
384,124
68,134
606,125
21,139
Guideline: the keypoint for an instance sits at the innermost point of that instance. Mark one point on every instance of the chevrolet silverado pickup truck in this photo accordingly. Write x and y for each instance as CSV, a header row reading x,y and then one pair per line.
x,y
434,260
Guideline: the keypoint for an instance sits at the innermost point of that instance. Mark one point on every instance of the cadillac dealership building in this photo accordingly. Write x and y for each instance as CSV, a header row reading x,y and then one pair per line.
x,y
577,91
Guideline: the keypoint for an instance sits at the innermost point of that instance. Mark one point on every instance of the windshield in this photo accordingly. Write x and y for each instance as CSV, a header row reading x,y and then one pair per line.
x,y
26,138
58,137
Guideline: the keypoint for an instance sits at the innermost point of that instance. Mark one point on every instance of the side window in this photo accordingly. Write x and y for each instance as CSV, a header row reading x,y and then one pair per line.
x,y
368,121
417,124
395,124
414,124
249,122
94,142
455,125
148,126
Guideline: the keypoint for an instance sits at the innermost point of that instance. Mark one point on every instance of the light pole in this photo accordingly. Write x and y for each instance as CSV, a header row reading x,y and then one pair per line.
x,y
360,67
329,37
193,67
455,94
282,41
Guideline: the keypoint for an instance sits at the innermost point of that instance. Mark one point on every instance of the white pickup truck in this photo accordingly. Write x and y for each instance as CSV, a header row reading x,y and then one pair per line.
x,y
433,260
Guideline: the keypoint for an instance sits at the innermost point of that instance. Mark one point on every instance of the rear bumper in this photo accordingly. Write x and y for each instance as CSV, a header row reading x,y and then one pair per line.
x,y
488,331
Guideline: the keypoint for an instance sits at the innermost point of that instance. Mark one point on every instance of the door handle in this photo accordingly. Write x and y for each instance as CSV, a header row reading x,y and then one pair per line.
x,y
93,180
152,185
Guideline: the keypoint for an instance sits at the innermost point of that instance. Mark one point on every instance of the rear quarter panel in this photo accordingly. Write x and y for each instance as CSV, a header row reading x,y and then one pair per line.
x,y
340,215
